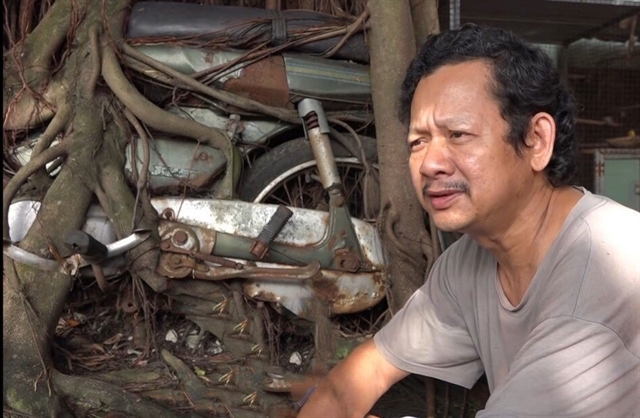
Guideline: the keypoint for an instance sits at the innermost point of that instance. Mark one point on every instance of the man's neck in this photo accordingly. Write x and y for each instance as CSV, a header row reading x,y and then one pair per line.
x,y
521,247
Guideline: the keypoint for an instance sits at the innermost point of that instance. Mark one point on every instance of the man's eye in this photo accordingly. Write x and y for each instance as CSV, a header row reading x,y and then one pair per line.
x,y
416,144
457,134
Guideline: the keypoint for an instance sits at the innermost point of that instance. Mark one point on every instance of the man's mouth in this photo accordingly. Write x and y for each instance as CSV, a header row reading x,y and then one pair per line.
x,y
442,199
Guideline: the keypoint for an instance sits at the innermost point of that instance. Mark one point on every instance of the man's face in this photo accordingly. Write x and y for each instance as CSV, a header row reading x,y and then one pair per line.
x,y
467,176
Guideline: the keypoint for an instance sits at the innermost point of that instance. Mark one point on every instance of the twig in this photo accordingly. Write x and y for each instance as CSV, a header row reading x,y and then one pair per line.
x,y
100,279
363,156
141,183
351,29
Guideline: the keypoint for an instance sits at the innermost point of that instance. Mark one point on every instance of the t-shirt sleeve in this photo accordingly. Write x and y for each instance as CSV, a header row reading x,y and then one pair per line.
x,y
571,368
428,336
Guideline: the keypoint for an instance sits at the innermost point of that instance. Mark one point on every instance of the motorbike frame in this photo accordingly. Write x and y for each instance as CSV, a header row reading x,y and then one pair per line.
x,y
334,268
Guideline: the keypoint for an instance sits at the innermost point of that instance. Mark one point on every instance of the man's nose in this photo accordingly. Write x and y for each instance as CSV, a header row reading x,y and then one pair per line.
x,y
436,160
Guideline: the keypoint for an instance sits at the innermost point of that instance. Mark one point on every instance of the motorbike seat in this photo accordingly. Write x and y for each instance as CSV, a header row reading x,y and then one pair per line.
x,y
239,27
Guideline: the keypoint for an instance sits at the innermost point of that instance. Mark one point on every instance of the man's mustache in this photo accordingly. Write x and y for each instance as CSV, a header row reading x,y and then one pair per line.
x,y
455,185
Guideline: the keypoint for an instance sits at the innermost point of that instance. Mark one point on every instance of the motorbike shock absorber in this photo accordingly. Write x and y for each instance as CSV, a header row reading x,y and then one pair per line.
x,y
317,130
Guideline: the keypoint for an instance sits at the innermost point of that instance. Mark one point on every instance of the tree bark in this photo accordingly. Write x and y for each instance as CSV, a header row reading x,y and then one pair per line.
x,y
402,225
34,299
424,14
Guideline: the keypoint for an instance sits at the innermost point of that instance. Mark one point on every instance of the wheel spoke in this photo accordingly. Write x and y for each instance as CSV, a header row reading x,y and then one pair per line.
x,y
304,190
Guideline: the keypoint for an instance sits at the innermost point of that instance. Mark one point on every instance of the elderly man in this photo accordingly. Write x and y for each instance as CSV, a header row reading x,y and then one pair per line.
x,y
542,293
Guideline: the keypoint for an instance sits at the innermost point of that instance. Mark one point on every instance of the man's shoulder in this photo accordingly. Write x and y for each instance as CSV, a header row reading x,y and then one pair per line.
x,y
605,214
610,284
599,230
613,232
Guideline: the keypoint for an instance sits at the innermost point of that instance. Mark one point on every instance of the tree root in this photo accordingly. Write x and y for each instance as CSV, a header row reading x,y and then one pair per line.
x,y
397,247
98,394
192,385
57,125
159,119
21,176
149,113
141,182
96,66
229,98
32,60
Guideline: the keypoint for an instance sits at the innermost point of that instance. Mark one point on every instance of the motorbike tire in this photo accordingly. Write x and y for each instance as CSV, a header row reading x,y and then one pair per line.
x,y
294,159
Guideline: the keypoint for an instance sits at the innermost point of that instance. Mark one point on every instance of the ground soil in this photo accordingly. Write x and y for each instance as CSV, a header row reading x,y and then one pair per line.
x,y
100,335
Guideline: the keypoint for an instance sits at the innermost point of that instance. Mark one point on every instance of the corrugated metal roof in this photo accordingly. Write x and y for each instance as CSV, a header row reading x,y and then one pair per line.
x,y
551,21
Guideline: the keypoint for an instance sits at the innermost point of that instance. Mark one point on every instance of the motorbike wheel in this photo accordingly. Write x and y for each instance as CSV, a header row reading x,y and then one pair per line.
x,y
288,175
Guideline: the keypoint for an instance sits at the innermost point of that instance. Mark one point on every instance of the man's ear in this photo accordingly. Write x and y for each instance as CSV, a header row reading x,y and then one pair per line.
x,y
540,140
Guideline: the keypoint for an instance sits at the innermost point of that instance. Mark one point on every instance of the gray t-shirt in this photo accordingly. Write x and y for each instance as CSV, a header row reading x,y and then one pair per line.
x,y
571,348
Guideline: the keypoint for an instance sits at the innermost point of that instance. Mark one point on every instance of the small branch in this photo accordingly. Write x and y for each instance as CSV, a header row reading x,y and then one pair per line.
x,y
356,137
142,179
141,183
25,17
351,29
21,176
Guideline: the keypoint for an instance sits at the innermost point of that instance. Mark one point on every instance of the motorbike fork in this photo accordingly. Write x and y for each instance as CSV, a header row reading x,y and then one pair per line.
x,y
341,234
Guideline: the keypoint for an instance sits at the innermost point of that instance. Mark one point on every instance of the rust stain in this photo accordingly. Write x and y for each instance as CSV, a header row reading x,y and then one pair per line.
x,y
380,279
264,81
327,289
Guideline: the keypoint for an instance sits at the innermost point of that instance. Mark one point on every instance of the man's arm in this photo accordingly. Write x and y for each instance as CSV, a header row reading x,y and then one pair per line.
x,y
353,386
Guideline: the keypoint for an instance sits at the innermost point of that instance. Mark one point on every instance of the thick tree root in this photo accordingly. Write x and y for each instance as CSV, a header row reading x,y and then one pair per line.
x,y
95,395
238,325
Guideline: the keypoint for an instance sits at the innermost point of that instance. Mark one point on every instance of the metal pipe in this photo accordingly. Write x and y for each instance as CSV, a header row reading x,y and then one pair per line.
x,y
317,130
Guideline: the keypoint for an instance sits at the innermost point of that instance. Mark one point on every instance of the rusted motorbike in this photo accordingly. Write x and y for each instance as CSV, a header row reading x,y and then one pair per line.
x,y
296,229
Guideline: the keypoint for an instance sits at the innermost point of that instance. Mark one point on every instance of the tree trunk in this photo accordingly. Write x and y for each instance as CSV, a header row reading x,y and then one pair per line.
x,y
402,217
424,14
34,299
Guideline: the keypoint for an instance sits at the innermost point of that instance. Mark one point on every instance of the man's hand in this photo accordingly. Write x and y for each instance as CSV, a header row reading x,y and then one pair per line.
x,y
353,386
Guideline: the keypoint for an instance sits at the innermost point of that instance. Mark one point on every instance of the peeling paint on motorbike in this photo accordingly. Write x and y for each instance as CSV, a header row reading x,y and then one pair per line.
x,y
201,218
264,81
192,60
256,132
306,227
345,292
174,164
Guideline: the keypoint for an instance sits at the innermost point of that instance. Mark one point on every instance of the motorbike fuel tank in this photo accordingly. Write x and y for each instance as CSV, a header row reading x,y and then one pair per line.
x,y
174,165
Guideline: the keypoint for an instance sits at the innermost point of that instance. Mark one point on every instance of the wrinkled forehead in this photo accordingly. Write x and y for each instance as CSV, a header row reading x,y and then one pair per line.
x,y
462,89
